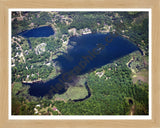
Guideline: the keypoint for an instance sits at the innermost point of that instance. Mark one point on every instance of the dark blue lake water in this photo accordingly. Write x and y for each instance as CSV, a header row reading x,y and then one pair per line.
x,y
88,53
44,31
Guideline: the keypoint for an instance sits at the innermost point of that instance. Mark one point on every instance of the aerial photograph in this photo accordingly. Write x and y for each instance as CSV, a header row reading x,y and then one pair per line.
x,y
79,63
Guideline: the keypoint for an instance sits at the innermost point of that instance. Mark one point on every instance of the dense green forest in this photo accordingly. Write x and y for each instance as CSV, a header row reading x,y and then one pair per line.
x,y
114,98
117,97
121,90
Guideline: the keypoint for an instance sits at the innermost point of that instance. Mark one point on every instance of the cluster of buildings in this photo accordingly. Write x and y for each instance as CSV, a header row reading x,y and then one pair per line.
x,y
74,31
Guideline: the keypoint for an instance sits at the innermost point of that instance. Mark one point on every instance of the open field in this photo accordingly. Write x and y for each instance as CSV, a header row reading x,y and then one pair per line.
x,y
75,91
142,75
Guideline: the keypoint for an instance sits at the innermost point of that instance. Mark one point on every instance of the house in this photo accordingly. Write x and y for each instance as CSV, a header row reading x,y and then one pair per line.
x,y
35,110
38,105
87,31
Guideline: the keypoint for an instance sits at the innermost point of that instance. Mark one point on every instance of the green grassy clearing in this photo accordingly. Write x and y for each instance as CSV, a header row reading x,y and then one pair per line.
x,y
77,91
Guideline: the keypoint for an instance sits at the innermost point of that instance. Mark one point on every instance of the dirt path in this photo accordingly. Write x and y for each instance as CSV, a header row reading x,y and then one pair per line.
x,y
130,61
132,110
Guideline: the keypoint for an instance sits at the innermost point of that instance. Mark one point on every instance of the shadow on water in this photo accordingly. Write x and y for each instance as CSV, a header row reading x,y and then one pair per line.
x,y
82,52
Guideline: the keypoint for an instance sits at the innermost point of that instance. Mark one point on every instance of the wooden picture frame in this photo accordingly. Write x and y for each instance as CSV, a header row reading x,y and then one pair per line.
x,y
4,74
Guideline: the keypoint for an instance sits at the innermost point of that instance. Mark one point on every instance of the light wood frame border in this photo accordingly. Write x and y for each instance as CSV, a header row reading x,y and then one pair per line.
x,y
6,4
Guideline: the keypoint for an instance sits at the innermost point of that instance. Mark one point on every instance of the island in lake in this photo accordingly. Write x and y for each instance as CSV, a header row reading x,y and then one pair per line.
x,y
79,63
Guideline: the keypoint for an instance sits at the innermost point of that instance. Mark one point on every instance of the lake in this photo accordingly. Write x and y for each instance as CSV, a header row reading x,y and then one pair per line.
x,y
44,31
81,58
